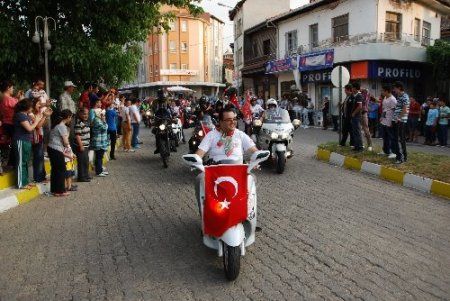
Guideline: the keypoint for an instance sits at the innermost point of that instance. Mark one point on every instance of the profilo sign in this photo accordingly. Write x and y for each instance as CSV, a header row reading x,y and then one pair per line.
x,y
322,76
391,70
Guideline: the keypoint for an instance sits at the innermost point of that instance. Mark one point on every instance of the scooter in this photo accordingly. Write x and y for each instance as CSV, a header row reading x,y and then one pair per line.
x,y
177,129
228,207
276,134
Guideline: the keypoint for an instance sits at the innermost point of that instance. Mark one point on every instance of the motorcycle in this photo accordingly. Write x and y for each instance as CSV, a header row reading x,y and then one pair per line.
x,y
204,127
147,117
275,134
166,139
177,129
228,207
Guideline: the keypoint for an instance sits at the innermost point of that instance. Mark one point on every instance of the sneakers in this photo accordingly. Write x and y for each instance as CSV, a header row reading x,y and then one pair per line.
x,y
370,149
392,156
105,173
382,154
101,174
399,161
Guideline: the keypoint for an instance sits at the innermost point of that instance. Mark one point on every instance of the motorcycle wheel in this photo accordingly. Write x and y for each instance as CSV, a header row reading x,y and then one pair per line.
x,y
231,261
281,161
164,151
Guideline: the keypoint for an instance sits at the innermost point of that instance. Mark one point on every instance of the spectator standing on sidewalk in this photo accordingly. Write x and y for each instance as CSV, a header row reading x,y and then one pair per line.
x,y
135,118
81,148
325,111
84,97
444,115
310,108
65,99
111,117
431,124
347,107
356,116
7,104
99,140
365,118
126,127
59,140
22,138
389,104
400,120
373,115
413,119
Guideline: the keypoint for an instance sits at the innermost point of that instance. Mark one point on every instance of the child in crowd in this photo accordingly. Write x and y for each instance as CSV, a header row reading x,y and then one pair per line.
x,y
70,169
430,124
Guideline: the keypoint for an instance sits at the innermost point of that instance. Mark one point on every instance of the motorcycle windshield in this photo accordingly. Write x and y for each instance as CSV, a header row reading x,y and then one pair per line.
x,y
277,116
207,124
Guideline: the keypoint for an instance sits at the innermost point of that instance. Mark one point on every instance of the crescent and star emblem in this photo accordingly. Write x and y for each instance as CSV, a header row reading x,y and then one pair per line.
x,y
225,203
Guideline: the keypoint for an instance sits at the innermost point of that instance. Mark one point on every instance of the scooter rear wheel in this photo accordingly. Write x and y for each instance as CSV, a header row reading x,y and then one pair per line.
x,y
231,261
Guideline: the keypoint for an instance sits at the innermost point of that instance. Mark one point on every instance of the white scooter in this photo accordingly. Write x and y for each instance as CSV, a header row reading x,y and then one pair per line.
x,y
232,243
177,129
276,134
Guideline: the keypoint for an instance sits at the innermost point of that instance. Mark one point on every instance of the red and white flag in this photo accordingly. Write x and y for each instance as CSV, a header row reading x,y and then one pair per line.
x,y
247,109
225,198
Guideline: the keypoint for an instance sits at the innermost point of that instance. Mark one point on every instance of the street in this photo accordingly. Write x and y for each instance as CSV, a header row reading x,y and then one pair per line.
x,y
328,233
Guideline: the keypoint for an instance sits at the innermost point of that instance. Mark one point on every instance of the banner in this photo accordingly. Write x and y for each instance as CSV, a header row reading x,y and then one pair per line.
x,y
316,60
286,64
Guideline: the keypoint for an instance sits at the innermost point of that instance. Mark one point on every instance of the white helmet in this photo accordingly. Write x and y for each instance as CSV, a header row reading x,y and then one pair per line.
x,y
271,101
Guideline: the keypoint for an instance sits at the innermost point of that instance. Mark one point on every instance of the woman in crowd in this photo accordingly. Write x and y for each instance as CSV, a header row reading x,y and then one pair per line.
x,y
111,119
59,140
99,140
7,104
38,141
413,119
22,137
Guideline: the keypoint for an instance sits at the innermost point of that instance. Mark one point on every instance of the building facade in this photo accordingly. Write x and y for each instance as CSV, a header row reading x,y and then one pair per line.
x,y
188,55
228,66
379,41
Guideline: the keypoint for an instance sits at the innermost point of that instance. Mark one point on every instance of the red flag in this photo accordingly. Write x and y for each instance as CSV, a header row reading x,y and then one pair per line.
x,y
234,101
247,109
225,198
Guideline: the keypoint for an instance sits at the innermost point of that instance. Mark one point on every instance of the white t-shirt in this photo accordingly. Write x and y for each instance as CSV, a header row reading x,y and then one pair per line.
x,y
125,113
211,145
133,110
257,109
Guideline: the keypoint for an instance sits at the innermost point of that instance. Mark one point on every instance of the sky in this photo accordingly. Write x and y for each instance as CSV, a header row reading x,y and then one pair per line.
x,y
221,12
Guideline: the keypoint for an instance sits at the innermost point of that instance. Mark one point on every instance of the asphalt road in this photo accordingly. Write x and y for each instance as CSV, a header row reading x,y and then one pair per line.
x,y
328,234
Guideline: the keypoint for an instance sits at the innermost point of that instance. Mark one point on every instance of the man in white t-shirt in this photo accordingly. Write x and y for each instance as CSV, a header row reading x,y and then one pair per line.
x,y
135,120
226,142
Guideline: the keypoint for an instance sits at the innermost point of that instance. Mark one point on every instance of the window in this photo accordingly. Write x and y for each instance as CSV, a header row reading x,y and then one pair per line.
x,y
340,28
314,35
393,26
150,48
216,50
155,48
239,57
172,25
255,49
426,33
184,66
172,46
184,26
239,28
156,69
416,29
291,42
184,46
151,69
266,47
172,66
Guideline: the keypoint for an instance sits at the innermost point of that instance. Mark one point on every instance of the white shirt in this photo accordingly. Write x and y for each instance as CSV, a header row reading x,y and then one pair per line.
x,y
257,109
135,118
125,113
210,144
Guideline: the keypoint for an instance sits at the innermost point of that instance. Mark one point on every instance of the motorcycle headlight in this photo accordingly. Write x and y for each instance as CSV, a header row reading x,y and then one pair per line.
x,y
148,114
200,133
274,135
284,136
162,127
257,122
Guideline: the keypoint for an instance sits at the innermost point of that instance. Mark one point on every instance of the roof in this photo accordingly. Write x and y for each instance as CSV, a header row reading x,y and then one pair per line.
x,y
232,13
214,17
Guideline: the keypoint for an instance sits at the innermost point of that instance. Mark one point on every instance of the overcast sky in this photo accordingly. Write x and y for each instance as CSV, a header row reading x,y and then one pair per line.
x,y
221,12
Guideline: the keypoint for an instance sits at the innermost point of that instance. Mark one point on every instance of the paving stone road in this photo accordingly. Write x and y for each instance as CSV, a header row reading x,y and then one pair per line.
x,y
328,234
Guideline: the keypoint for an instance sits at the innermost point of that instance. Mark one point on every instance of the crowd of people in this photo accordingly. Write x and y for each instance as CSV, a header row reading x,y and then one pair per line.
x,y
35,128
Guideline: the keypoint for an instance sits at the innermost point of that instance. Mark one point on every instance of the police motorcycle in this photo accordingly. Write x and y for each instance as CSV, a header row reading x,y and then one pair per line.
x,y
276,133
177,129
164,134
227,200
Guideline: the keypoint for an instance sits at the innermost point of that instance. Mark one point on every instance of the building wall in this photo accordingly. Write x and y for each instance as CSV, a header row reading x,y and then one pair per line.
x,y
256,11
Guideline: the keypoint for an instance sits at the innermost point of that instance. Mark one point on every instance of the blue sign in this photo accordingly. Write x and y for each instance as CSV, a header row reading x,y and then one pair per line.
x,y
395,70
286,64
316,60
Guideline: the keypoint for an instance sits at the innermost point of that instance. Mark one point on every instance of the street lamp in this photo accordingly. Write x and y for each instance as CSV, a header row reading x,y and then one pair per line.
x,y
47,46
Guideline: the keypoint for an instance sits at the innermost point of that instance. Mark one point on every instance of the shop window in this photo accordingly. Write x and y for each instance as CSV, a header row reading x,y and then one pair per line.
x,y
340,28
314,35
426,33
393,26
417,30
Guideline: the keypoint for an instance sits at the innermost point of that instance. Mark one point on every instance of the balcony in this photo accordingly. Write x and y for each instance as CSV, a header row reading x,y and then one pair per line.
x,y
178,72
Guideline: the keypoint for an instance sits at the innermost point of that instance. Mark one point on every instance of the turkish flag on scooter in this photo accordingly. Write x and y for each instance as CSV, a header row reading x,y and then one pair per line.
x,y
226,195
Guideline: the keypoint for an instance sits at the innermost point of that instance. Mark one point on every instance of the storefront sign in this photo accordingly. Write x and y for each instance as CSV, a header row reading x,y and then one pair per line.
x,y
286,64
395,70
316,60
316,77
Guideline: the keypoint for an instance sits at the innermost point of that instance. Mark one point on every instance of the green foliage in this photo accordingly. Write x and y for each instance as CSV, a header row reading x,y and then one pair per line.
x,y
439,56
93,40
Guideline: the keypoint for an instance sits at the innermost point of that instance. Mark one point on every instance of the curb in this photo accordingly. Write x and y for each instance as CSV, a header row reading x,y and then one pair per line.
x,y
420,183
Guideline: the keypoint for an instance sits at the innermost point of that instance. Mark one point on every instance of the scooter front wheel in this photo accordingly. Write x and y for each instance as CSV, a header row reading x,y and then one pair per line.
x,y
281,161
231,261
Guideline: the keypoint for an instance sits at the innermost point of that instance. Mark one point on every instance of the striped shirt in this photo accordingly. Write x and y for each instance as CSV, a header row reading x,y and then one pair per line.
x,y
83,130
402,100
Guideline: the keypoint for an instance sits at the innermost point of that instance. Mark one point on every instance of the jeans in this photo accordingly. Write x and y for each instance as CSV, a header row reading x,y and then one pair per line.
x,y
346,131
387,138
38,162
335,120
443,134
113,137
356,130
83,163
99,161
134,139
373,126
399,141
311,118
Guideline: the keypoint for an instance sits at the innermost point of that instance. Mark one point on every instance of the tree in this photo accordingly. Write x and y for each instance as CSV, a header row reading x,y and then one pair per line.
x,y
93,38
439,56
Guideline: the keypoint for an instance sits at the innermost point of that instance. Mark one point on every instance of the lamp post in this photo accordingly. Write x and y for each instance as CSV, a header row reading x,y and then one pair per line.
x,y
47,46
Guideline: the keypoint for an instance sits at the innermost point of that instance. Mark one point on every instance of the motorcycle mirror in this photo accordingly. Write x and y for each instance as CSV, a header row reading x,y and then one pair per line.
x,y
194,160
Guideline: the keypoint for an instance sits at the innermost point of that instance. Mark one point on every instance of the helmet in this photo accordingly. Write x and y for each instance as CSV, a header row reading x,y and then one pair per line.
x,y
271,101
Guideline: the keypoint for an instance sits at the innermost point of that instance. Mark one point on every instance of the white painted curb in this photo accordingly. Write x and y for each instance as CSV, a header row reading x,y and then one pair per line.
x,y
8,203
337,159
417,182
371,168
